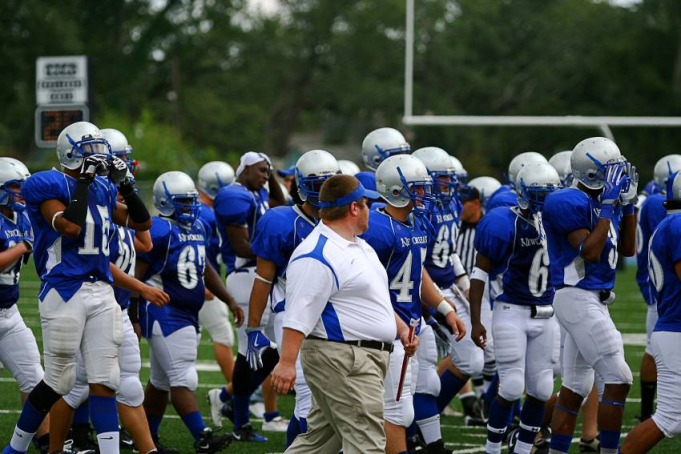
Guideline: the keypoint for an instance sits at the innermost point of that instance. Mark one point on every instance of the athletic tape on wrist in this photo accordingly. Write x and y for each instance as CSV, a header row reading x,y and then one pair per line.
x,y
444,308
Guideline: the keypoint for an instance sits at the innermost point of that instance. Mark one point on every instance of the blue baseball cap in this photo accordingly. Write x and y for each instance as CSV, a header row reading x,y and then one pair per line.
x,y
286,172
359,193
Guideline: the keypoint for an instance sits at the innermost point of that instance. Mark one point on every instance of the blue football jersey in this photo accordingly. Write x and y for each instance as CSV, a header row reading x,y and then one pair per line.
x,y
207,217
438,263
401,248
566,211
65,263
502,197
236,205
12,232
123,255
649,217
176,265
277,235
368,180
664,252
521,264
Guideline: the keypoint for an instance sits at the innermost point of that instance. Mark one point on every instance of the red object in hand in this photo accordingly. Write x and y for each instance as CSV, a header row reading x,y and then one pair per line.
x,y
412,331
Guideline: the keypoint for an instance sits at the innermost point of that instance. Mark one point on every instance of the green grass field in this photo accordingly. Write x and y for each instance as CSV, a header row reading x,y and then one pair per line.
x,y
628,312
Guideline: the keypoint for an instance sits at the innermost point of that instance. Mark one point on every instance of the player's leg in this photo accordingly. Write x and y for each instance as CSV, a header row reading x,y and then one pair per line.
x,y
509,327
648,369
273,421
102,338
539,361
19,353
157,391
666,422
62,329
130,395
398,415
62,415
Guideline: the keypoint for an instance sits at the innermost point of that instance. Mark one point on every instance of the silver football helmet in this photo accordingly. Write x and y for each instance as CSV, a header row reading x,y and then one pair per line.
x,y
312,170
176,196
12,172
120,147
674,193
591,158
382,143
441,170
519,162
664,168
213,176
348,167
535,181
78,141
402,179
561,162
486,186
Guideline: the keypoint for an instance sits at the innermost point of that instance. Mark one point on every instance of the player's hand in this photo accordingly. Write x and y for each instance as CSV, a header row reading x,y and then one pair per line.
x,y
118,171
457,325
138,330
631,196
615,180
155,296
283,377
479,335
409,347
95,164
257,343
238,314
441,338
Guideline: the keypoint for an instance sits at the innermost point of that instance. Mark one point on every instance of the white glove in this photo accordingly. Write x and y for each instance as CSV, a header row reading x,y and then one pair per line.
x,y
629,197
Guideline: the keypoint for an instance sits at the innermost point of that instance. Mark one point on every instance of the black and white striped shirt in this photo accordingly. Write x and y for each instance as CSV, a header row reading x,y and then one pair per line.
x,y
465,245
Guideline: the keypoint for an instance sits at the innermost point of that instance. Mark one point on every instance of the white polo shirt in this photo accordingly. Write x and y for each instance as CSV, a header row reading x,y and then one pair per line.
x,y
338,290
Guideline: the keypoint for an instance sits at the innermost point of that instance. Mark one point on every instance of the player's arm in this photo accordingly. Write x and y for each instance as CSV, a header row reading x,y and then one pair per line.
x,y
431,296
215,285
276,194
237,236
123,280
11,255
133,213
266,272
143,243
627,239
590,244
483,266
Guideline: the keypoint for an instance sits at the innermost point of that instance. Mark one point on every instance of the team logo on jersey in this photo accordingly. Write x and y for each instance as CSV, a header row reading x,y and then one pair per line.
x,y
406,242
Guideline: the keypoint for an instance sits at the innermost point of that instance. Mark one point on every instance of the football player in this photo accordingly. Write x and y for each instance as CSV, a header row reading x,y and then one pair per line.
x,y
348,167
651,213
506,195
72,212
18,348
445,269
664,256
586,227
399,235
377,146
277,235
561,162
238,208
177,264
214,315
510,246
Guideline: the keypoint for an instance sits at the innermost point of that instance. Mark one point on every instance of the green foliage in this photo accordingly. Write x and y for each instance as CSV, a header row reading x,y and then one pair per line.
x,y
214,79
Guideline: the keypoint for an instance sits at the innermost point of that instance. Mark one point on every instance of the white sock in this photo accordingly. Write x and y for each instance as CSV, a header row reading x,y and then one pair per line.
x,y
430,429
493,448
108,442
21,440
522,448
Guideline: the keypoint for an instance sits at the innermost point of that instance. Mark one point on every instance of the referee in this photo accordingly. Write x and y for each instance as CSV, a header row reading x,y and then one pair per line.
x,y
338,309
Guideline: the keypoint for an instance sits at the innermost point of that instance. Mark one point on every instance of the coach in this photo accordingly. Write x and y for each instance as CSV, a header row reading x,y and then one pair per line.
x,y
337,302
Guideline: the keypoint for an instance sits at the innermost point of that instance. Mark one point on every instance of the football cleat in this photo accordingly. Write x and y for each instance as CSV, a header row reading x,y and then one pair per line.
x,y
593,445
246,433
543,442
126,442
416,445
209,442
257,409
277,424
227,410
213,397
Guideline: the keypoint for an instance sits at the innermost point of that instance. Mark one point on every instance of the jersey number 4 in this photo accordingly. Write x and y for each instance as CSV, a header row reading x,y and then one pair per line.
x,y
402,283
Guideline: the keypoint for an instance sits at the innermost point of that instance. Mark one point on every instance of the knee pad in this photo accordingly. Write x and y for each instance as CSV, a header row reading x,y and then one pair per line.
x,y
613,369
512,385
130,391
428,382
191,379
65,382
30,377
114,380
401,413
541,388
79,393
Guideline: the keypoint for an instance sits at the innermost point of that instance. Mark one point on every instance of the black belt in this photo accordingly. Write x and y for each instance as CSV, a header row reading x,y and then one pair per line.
x,y
374,345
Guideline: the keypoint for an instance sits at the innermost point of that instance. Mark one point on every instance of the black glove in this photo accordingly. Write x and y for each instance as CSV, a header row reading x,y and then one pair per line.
x,y
118,171
95,164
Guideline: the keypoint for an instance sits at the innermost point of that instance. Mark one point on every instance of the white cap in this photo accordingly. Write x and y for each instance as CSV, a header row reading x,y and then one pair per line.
x,y
249,158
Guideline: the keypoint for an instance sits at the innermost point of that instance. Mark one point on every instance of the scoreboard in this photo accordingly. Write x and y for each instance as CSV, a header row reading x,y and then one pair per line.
x,y
50,120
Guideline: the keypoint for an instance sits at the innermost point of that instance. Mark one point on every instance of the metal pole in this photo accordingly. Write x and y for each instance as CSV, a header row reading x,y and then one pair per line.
x,y
409,60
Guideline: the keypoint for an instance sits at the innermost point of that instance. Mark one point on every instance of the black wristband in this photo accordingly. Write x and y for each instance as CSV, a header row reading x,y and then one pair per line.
x,y
76,212
133,310
136,209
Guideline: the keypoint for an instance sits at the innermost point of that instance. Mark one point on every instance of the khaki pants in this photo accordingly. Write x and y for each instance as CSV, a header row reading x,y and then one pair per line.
x,y
347,399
